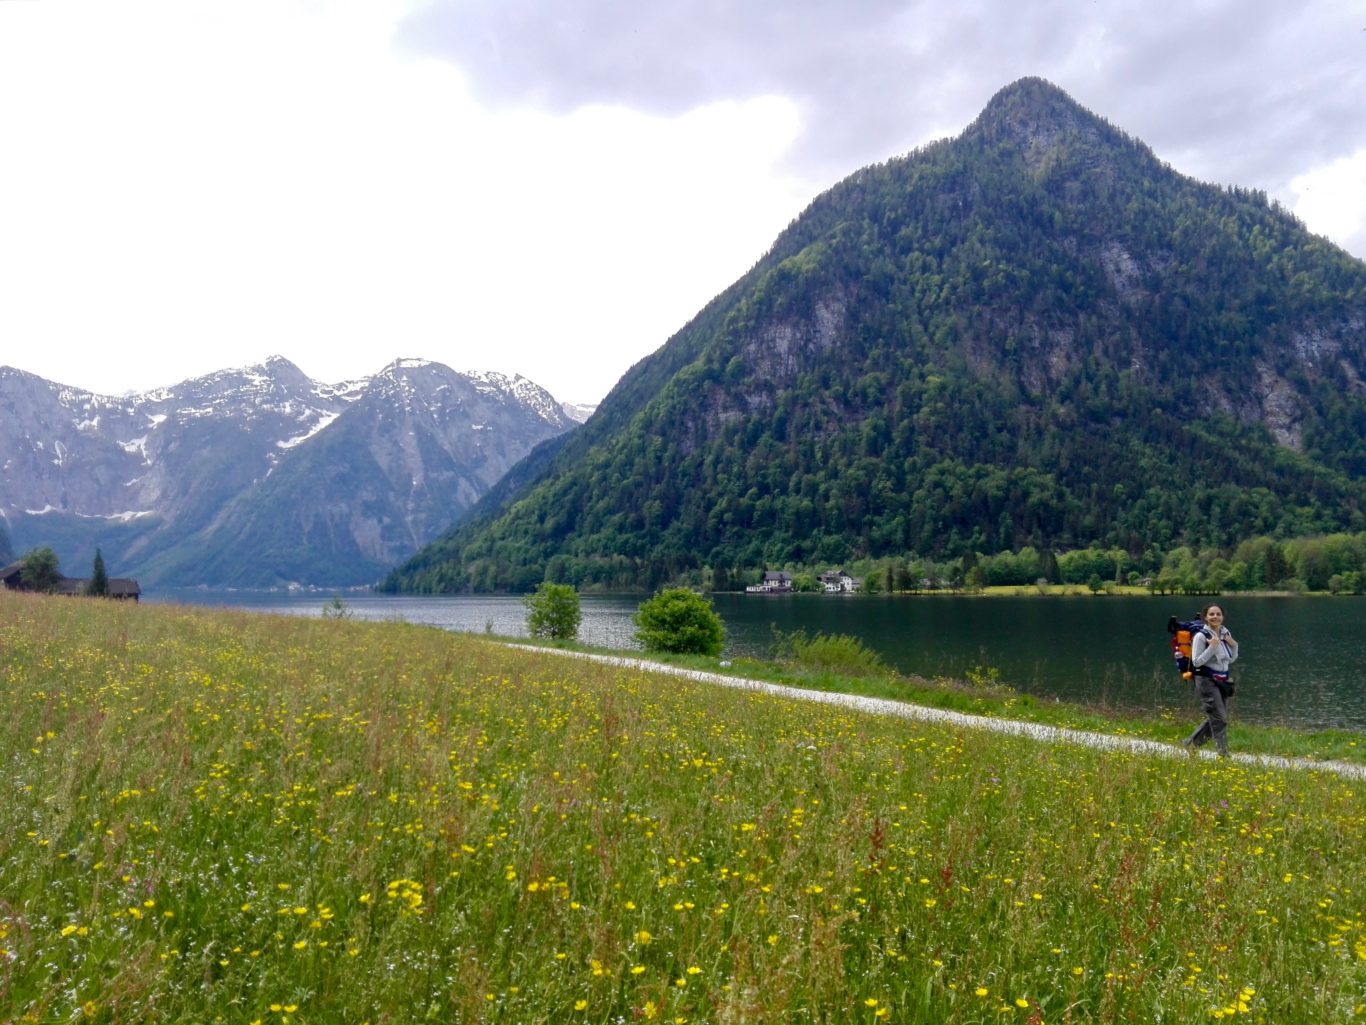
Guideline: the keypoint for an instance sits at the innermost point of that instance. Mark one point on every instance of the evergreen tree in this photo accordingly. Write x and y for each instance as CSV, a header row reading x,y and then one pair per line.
x,y
336,609
99,579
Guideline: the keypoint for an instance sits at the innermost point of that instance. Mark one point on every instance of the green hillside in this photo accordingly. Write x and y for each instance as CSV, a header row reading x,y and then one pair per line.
x,y
1034,334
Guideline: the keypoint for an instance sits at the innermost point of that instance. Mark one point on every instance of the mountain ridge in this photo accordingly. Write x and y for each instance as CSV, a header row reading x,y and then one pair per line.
x,y
163,478
987,343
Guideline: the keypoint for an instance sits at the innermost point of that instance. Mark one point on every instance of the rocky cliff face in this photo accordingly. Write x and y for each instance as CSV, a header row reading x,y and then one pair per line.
x,y
218,479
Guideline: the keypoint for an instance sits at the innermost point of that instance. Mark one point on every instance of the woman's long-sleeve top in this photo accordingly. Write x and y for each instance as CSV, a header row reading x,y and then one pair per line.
x,y
1211,654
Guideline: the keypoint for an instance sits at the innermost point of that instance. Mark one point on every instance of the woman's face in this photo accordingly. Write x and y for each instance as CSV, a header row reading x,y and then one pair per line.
x,y
1214,616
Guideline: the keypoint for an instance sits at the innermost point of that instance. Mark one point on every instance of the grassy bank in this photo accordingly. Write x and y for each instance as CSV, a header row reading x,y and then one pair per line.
x,y
981,694
222,817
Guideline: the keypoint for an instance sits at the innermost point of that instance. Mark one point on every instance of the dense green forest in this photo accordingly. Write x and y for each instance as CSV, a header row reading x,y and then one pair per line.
x,y
1034,336
1334,563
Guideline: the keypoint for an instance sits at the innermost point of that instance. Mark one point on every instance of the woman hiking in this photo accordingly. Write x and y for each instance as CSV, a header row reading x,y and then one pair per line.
x,y
1213,650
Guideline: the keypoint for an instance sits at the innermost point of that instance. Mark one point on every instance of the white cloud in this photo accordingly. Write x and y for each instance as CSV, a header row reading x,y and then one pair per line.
x,y
1331,200
221,186
193,184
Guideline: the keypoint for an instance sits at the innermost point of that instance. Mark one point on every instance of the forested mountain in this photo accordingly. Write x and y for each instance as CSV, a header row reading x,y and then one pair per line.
x,y
1036,334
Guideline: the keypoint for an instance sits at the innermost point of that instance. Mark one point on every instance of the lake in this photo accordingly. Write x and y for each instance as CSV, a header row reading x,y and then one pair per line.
x,y
1301,657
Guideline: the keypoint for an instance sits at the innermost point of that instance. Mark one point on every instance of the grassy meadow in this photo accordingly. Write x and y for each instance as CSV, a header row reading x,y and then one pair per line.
x,y
220,817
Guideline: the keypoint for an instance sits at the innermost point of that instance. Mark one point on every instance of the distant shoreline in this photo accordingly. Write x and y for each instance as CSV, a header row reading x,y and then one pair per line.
x,y
1001,591
1032,591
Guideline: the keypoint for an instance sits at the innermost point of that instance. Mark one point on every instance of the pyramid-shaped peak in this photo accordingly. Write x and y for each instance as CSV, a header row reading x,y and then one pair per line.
x,y
1031,91
1031,105
1036,118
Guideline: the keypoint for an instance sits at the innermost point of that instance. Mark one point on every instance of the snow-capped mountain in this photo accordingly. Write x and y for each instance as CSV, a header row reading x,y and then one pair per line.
x,y
577,411
259,476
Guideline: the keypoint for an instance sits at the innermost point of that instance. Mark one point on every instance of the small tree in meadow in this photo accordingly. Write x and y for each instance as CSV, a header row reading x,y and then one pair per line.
x,y
681,622
336,609
99,578
553,612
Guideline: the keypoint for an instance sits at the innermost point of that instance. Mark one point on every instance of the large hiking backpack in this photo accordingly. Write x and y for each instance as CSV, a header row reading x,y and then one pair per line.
x,y
1182,631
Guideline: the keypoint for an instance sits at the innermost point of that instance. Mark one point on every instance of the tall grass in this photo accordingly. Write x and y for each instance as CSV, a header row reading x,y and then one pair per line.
x,y
220,817
828,653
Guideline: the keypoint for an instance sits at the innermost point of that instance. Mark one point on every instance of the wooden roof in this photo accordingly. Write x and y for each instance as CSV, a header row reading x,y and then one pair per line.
x,y
119,587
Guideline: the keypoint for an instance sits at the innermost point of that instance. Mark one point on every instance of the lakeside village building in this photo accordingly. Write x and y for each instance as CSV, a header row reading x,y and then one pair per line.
x,y
120,588
778,582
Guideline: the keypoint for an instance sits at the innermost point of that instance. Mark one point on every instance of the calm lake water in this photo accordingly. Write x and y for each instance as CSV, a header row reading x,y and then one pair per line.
x,y
1301,662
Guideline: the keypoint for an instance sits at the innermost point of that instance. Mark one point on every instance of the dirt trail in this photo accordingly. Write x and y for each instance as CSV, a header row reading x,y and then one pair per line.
x,y
883,706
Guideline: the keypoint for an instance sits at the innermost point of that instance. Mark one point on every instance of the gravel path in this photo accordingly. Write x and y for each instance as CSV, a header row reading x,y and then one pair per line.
x,y
883,706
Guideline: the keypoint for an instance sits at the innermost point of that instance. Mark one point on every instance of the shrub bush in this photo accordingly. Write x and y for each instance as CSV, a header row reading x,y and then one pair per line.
x,y
681,622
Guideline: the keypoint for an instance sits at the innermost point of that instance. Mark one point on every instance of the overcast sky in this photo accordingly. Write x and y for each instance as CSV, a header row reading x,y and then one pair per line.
x,y
553,189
